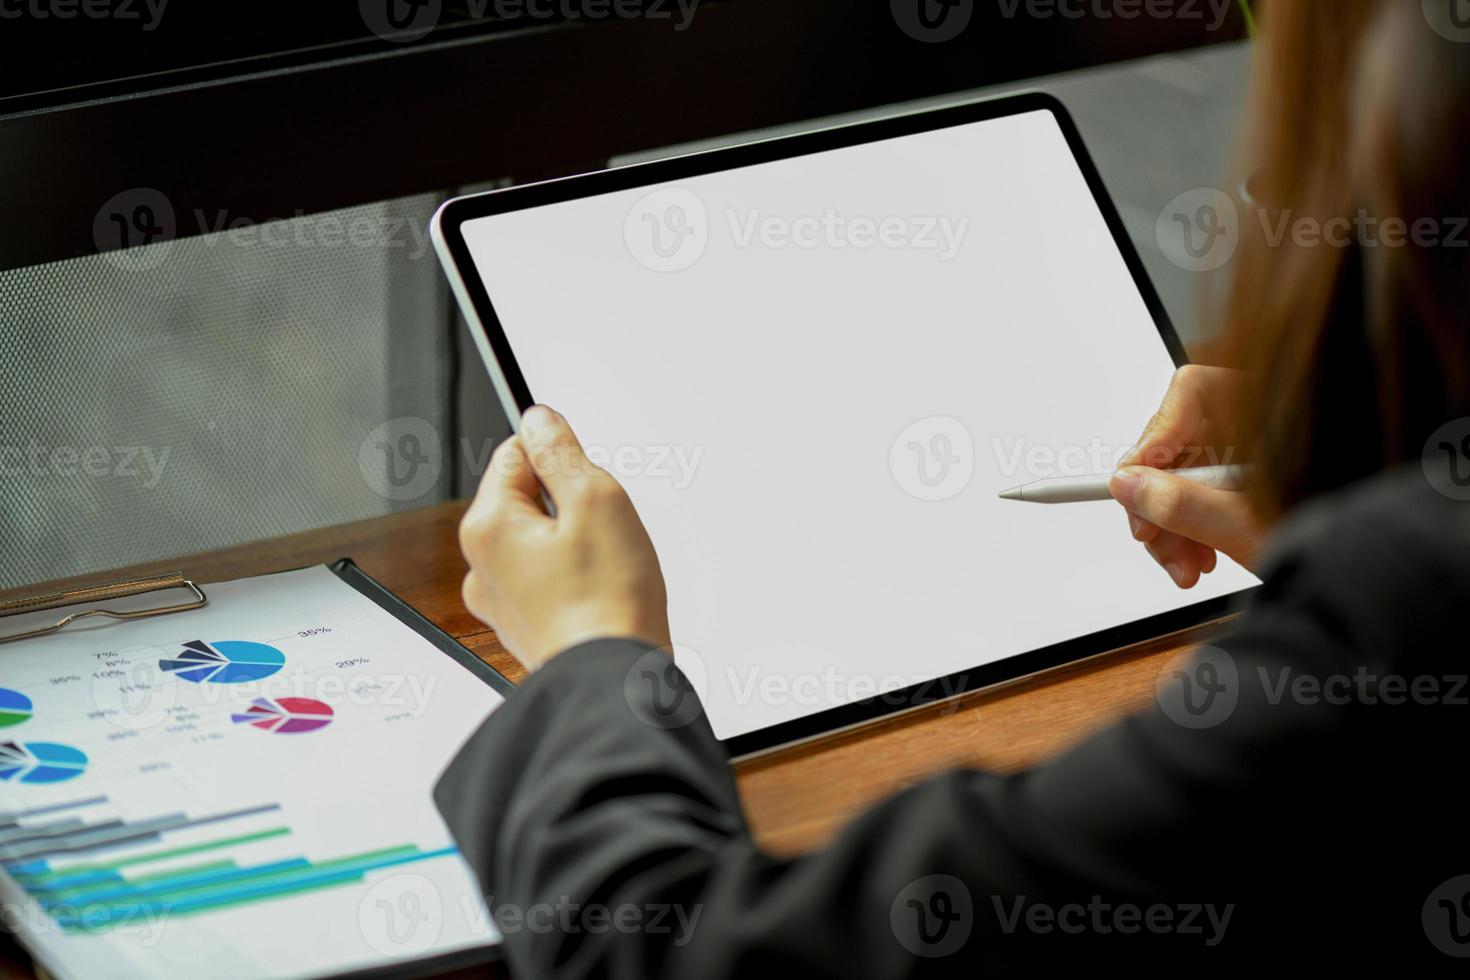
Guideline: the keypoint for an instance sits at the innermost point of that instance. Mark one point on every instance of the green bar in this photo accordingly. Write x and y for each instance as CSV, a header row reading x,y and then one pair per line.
x,y
225,903
285,890
60,895
179,894
191,869
156,856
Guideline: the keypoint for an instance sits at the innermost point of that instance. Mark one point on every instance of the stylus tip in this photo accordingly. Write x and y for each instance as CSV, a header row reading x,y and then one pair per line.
x,y
1014,493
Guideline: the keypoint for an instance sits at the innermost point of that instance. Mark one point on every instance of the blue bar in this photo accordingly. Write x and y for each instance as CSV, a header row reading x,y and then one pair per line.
x,y
29,868
80,878
113,893
96,918
100,917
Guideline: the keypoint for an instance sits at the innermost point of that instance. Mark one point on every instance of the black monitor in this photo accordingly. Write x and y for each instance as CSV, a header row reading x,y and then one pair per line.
x,y
277,108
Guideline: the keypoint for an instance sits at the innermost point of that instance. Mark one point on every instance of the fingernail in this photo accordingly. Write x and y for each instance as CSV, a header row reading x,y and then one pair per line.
x,y
1176,572
1125,486
537,417
1135,523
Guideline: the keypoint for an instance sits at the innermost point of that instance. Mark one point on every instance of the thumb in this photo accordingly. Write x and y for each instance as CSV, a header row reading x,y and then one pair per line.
x,y
510,482
555,453
1220,519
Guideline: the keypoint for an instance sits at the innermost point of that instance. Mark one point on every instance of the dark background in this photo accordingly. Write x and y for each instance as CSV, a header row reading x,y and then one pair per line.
x,y
271,109
275,374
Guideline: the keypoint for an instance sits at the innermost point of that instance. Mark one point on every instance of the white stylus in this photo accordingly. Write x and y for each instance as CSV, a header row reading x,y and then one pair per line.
x,y
1081,489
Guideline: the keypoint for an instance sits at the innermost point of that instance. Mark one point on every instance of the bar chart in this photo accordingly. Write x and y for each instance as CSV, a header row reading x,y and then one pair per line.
x,y
90,873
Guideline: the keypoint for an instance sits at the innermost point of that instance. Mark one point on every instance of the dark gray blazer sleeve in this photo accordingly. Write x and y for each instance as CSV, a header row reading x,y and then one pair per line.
x,y
1201,829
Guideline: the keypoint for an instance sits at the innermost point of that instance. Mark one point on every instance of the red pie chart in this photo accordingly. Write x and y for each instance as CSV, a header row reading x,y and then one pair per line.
x,y
285,716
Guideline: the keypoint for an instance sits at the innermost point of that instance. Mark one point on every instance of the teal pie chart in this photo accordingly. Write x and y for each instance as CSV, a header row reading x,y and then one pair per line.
x,y
224,662
40,762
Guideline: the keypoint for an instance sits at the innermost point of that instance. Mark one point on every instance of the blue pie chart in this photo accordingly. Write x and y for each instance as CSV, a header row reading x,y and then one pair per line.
x,y
15,707
224,662
40,762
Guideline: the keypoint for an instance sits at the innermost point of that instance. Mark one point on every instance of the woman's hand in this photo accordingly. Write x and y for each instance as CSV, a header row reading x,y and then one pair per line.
x,y
548,583
1183,524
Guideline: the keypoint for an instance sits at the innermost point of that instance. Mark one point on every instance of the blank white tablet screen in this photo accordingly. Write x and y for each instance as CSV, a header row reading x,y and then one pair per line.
x,y
814,376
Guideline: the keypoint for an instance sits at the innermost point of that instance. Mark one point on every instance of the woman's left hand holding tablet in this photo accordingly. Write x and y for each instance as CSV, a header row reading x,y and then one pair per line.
x,y
547,583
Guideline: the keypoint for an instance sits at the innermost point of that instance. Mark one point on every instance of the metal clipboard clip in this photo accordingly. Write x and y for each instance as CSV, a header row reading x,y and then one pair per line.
x,y
102,593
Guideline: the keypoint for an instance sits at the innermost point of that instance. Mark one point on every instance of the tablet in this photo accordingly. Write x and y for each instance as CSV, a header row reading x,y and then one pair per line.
x,y
814,362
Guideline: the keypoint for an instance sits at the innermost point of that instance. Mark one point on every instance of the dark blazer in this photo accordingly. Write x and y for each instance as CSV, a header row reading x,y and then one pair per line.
x,y
1295,797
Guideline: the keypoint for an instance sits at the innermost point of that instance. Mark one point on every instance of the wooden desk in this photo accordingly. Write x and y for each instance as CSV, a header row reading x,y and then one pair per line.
x,y
797,798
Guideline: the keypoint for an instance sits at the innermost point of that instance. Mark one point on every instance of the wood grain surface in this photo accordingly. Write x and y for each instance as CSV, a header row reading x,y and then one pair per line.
x,y
796,798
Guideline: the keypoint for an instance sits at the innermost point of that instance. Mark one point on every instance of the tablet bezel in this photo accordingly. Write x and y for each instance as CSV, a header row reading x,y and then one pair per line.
x,y
447,233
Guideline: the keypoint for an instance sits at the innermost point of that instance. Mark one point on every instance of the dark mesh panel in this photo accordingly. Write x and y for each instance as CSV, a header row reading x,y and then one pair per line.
x,y
219,389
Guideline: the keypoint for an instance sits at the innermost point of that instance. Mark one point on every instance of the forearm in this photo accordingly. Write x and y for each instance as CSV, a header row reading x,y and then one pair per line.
x,y
573,794
609,843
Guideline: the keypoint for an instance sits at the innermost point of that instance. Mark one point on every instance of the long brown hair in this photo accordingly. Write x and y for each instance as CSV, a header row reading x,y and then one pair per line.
x,y
1354,352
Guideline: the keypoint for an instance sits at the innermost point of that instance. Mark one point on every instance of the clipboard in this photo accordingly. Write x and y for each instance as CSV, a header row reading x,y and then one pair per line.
x,y
101,593
197,598
344,568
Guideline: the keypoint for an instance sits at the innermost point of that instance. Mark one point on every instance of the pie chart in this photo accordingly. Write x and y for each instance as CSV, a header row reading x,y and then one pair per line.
x,y
15,707
40,762
285,716
224,662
